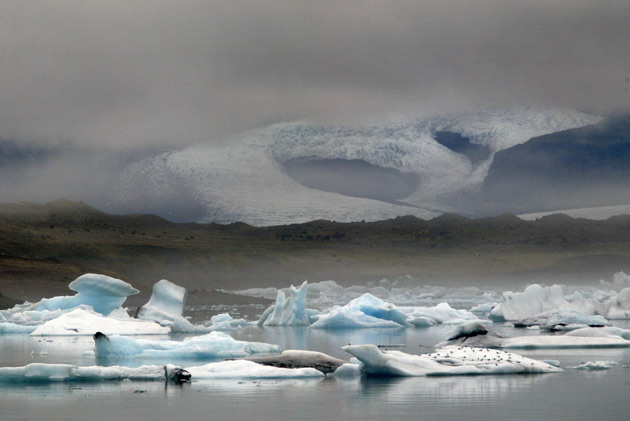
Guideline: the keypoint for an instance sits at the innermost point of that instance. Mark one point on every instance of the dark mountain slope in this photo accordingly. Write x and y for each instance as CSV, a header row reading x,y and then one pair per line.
x,y
583,167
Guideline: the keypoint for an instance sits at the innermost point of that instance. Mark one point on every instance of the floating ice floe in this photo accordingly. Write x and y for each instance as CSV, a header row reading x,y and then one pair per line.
x,y
446,361
243,369
224,321
214,345
238,369
562,319
475,334
85,321
300,359
40,372
595,365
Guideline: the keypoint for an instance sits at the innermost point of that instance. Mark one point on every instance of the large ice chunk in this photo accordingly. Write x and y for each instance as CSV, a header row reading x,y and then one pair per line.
x,y
442,313
44,373
84,321
166,303
243,369
291,312
445,361
618,307
475,334
214,345
294,358
103,293
560,319
536,299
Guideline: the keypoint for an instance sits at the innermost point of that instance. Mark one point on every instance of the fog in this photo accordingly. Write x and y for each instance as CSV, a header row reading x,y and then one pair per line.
x,y
112,81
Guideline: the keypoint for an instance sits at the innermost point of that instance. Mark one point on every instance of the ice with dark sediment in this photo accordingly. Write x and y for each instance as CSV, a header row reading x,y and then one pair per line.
x,y
475,334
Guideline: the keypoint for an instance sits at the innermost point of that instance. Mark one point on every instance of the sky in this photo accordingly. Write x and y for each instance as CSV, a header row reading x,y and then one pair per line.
x,y
130,75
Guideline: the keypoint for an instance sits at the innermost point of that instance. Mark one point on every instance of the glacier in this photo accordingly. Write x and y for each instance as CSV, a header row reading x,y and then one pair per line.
x,y
242,178
447,361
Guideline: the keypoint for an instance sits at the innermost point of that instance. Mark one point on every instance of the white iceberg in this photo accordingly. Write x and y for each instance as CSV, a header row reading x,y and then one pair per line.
x,y
166,303
595,365
40,372
224,321
445,362
84,321
240,369
214,345
536,299
243,369
291,312
618,307
442,313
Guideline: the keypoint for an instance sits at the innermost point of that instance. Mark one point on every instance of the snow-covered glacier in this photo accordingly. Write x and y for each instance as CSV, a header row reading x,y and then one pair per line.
x,y
244,178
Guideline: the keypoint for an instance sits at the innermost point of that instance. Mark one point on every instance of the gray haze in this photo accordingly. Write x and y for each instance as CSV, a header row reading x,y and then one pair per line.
x,y
99,84
129,74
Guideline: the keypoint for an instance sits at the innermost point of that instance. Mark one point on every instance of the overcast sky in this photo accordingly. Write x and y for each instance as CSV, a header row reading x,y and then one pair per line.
x,y
132,74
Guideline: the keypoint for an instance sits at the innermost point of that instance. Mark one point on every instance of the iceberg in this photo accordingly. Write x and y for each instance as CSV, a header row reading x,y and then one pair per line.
x,y
291,312
224,321
536,299
85,321
243,369
98,293
339,318
300,359
562,319
446,361
214,345
45,373
166,302
442,313
618,307
103,293
475,334
595,365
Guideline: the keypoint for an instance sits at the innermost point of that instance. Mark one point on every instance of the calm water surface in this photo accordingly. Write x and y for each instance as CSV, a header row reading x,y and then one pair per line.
x,y
571,394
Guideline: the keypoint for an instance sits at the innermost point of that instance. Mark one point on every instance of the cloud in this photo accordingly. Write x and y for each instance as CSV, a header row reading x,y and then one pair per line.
x,y
131,75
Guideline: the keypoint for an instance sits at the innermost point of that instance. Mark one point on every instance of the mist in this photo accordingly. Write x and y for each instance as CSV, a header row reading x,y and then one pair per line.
x,y
114,81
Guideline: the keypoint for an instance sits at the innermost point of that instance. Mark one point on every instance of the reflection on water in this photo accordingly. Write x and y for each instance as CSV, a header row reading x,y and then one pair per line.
x,y
568,395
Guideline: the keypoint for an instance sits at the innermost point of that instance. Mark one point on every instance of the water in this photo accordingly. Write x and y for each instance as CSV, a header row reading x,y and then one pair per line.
x,y
572,394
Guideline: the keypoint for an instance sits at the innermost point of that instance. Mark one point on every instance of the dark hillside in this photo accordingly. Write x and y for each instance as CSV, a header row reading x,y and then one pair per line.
x,y
43,247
